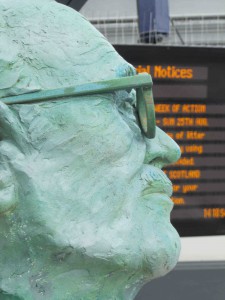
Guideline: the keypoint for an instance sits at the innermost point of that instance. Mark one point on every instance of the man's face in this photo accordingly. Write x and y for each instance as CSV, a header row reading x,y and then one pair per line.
x,y
99,180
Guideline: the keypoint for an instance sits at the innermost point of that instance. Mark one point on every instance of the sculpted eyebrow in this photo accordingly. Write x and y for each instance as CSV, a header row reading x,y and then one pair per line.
x,y
131,71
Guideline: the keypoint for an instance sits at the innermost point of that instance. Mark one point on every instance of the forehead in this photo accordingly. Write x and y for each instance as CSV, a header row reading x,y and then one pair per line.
x,y
52,46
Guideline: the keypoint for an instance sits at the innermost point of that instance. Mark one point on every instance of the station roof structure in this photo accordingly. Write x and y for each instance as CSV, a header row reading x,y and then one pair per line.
x,y
128,8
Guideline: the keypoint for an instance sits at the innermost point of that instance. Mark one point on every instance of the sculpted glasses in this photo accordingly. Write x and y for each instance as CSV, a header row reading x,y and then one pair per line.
x,y
142,83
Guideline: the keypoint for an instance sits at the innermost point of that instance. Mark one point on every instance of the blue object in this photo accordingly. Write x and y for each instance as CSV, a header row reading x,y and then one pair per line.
x,y
153,19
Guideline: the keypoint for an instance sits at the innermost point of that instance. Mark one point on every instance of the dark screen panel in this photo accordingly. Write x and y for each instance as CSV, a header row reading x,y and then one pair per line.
x,y
189,92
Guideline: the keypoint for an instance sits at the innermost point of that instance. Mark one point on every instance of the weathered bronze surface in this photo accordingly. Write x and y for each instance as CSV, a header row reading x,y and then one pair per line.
x,y
84,205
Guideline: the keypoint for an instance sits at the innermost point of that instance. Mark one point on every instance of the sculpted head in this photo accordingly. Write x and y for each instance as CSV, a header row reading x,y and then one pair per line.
x,y
84,205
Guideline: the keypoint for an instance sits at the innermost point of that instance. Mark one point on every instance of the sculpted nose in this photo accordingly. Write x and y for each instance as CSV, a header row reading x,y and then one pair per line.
x,y
162,150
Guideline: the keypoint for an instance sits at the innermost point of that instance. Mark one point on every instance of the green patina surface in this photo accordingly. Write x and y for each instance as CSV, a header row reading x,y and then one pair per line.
x,y
84,205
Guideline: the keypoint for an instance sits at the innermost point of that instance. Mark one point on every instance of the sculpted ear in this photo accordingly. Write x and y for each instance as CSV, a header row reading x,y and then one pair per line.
x,y
11,128
8,192
12,138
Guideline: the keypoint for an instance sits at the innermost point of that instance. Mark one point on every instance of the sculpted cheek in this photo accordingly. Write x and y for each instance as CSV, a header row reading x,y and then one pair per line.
x,y
103,130
86,127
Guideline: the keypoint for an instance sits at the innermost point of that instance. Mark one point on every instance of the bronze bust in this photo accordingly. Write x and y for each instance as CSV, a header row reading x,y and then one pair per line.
x,y
84,206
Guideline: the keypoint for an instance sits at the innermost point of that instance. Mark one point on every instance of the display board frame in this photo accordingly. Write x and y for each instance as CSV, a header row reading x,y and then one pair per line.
x,y
202,127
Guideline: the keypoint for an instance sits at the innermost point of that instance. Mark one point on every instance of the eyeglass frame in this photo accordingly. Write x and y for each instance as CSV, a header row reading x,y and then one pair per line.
x,y
142,83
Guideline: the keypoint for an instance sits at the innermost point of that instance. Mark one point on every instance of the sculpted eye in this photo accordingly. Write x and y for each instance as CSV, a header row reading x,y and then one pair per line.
x,y
126,104
128,110
132,98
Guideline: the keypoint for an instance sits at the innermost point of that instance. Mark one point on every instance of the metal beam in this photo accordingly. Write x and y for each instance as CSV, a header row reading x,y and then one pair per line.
x,y
76,4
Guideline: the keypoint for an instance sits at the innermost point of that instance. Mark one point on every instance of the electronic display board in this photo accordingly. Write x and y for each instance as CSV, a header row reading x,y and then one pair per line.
x,y
189,93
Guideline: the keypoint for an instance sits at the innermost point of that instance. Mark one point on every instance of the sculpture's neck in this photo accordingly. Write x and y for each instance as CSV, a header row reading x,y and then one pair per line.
x,y
76,284
80,284
59,277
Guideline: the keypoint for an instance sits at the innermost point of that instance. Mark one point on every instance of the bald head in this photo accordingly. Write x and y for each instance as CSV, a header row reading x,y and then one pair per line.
x,y
46,45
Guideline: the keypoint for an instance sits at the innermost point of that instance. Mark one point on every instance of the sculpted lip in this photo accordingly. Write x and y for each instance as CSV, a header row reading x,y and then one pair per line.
x,y
158,201
155,181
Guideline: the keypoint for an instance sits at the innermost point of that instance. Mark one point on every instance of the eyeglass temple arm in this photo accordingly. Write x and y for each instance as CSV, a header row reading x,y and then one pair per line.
x,y
136,81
